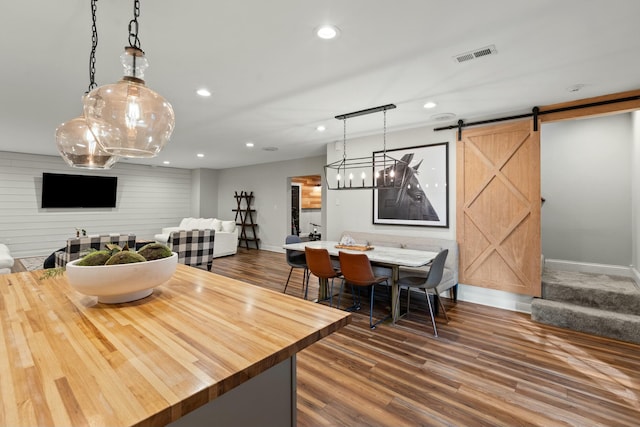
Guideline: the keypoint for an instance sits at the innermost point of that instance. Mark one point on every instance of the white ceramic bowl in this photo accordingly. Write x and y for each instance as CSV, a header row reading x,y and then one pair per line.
x,y
114,284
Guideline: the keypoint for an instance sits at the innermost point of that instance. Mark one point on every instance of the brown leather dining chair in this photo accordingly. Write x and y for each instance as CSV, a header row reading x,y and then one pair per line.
x,y
357,271
319,264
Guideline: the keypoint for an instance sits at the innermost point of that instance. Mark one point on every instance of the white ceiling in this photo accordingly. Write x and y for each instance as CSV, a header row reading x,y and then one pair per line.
x,y
273,81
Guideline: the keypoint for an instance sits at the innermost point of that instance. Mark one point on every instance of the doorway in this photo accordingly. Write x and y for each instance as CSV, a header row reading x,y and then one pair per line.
x,y
295,208
306,207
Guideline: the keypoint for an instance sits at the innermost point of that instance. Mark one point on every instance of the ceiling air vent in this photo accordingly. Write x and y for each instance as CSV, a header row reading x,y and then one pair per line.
x,y
477,53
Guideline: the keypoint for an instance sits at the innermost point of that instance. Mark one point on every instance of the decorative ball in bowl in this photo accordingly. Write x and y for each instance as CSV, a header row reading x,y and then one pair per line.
x,y
119,283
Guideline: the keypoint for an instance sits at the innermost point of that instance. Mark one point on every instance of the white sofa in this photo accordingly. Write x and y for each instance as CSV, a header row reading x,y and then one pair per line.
x,y
226,237
6,261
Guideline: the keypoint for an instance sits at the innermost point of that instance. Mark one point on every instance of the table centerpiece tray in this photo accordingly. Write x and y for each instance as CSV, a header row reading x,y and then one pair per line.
x,y
355,247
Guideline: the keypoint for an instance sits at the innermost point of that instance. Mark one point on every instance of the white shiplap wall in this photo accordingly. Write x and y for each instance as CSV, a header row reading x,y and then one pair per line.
x,y
148,198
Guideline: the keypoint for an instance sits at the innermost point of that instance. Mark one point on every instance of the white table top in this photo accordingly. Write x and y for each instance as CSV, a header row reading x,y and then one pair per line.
x,y
379,254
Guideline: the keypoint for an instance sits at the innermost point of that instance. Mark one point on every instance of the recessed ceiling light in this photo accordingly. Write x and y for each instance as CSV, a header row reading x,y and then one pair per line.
x,y
200,155
203,92
321,128
327,32
430,104
249,144
166,162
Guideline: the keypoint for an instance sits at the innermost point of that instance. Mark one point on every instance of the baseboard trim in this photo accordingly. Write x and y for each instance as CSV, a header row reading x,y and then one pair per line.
x,y
587,267
270,248
494,298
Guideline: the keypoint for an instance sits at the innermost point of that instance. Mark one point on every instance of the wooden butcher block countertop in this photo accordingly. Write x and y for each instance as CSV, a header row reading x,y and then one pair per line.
x,y
68,360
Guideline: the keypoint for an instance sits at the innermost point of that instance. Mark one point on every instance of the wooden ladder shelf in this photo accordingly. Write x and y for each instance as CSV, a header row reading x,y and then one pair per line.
x,y
244,219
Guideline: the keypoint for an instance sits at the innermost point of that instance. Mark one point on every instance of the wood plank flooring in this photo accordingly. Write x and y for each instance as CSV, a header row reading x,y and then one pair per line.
x,y
488,367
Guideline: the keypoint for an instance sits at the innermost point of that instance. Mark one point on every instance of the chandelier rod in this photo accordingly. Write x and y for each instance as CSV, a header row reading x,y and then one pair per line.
x,y
367,111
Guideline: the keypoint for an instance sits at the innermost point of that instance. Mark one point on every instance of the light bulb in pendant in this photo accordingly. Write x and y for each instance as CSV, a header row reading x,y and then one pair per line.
x,y
132,114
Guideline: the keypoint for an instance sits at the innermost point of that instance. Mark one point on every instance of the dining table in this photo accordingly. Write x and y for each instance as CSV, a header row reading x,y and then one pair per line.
x,y
382,256
202,349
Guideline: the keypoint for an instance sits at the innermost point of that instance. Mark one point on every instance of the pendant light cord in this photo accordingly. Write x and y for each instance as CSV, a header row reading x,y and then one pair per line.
x,y
94,46
384,132
134,41
344,140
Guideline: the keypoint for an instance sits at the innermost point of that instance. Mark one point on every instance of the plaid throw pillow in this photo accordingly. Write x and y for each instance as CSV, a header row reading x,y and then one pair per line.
x,y
194,247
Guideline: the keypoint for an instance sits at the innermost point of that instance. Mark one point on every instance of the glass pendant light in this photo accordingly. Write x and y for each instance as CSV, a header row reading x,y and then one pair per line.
x,y
75,141
127,118
79,148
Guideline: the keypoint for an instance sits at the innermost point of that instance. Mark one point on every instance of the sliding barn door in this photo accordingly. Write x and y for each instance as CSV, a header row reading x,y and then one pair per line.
x,y
498,207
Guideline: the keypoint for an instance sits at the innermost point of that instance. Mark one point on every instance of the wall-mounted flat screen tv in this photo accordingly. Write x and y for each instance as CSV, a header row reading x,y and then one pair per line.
x,y
78,191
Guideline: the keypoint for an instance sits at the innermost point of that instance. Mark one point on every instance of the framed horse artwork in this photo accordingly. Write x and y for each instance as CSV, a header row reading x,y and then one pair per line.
x,y
415,189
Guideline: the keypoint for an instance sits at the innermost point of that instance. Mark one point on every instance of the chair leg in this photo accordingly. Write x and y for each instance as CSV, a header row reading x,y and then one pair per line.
x,y
305,282
287,284
433,320
443,310
340,293
357,299
358,304
453,293
371,325
331,293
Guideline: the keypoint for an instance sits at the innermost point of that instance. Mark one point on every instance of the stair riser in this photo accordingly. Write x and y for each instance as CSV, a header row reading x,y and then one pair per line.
x,y
598,298
607,324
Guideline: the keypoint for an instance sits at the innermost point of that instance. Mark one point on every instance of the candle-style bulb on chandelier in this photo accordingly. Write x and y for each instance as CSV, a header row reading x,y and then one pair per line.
x,y
361,173
74,140
127,118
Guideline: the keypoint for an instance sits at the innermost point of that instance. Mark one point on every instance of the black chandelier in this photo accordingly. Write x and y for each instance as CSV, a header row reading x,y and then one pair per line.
x,y
361,173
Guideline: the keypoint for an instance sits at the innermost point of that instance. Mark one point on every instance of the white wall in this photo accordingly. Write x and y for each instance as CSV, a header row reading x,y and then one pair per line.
x,y
270,184
635,193
205,193
586,181
147,200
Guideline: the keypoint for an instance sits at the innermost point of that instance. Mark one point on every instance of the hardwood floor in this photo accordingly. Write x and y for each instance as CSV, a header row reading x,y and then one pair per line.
x,y
487,367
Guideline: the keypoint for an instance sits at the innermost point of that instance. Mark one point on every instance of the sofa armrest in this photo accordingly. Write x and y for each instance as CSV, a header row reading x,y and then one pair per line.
x,y
162,238
169,230
6,260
